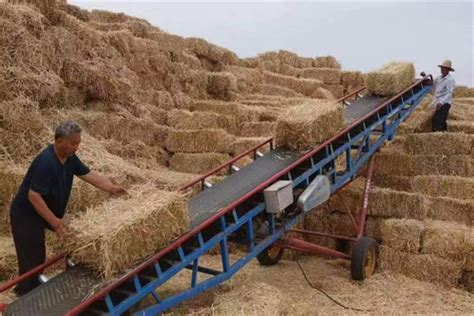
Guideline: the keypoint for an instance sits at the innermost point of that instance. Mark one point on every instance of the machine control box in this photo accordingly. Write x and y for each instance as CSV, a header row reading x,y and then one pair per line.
x,y
278,196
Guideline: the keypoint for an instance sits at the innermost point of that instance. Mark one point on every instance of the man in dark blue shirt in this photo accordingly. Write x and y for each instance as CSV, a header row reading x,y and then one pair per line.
x,y
42,198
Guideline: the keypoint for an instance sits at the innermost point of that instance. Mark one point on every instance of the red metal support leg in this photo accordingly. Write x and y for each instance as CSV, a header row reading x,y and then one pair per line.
x,y
365,201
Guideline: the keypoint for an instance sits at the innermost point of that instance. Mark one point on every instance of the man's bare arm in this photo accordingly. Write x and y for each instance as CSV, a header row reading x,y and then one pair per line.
x,y
43,210
103,183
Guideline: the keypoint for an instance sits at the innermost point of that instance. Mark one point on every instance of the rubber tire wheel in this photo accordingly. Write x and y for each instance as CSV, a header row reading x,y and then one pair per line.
x,y
265,258
359,257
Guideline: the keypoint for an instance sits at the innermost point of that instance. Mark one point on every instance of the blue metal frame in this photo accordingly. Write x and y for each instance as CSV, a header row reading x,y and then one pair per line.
x,y
368,139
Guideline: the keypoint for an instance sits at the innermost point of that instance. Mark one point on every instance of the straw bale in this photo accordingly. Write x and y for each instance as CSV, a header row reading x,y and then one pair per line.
x,y
242,144
423,267
196,141
204,49
83,196
466,102
222,85
341,224
235,109
247,78
391,78
397,204
113,236
257,129
318,220
399,183
417,122
400,164
326,62
97,80
308,124
449,209
300,85
23,131
322,93
197,163
137,152
450,241
8,263
326,75
271,89
450,186
461,112
272,66
352,79
402,234
288,70
461,126
336,90
439,143
10,179
463,92
182,119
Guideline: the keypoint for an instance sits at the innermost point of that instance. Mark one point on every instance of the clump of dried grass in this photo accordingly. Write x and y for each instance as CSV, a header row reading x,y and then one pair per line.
x,y
197,163
113,236
198,141
322,93
391,78
402,234
8,263
259,298
306,125
10,179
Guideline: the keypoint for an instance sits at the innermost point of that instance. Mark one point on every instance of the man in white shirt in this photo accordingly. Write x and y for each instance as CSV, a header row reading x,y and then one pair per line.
x,y
443,96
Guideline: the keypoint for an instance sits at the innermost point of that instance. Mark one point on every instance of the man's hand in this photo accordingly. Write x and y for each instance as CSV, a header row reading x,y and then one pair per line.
x,y
59,227
118,190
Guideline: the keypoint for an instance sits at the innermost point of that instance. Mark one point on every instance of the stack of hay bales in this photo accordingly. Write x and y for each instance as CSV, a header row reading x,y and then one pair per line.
x,y
390,79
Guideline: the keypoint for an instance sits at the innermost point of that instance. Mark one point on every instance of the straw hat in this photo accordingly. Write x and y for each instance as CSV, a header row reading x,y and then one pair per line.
x,y
447,64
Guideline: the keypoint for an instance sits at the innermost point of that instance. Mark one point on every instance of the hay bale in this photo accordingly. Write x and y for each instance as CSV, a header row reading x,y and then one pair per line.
x,y
197,141
204,49
449,209
341,224
8,263
449,186
402,234
300,85
391,78
138,153
182,119
463,92
399,183
352,79
336,90
238,110
260,299
461,126
248,79
308,124
423,267
270,89
461,112
326,75
11,177
222,85
242,144
418,122
257,129
326,62
322,93
450,241
23,130
113,236
439,143
197,163
397,204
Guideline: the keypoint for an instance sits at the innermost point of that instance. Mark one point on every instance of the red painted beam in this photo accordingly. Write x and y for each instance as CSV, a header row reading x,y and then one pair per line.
x,y
301,245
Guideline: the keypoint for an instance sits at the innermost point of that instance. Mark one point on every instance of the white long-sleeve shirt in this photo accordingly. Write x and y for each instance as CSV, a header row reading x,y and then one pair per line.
x,y
443,90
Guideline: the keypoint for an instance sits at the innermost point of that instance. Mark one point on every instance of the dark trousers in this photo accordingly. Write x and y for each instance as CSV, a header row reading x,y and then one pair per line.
x,y
438,122
28,235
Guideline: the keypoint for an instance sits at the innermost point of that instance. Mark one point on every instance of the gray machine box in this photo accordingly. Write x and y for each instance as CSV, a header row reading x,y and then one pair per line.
x,y
278,196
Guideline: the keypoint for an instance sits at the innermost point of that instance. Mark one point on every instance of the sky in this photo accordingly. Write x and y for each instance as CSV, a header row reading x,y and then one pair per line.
x,y
361,35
